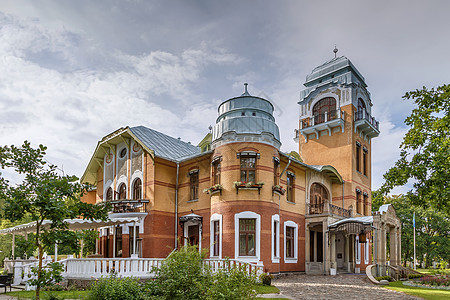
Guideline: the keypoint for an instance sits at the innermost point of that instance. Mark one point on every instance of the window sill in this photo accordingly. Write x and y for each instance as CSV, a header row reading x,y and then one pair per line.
x,y
194,200
290,202
290,260
249,259
275,260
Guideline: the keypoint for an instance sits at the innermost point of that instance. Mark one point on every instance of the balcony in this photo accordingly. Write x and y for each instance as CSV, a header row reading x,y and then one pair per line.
x,y
320,122
128,206
327,209
366,124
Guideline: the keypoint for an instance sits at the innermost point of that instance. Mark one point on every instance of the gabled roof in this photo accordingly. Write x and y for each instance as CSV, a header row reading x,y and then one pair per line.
x,y
153,142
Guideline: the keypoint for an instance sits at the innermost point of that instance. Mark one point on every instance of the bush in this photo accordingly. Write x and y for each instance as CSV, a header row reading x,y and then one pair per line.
x,y
126,288
388,278
414,276
266,278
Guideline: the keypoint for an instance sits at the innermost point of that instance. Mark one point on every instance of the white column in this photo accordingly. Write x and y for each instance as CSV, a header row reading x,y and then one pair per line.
x,y
346,252
383,245
134,237
399,245
315,246
56,251
307,245
114,242
333,251
393,246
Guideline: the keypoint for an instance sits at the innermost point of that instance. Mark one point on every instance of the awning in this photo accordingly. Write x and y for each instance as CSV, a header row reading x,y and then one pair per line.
x,y
352,225
191,217
73,224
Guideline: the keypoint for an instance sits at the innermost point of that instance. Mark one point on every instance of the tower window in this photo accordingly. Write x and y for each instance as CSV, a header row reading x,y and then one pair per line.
x,y
324,110
358,157
275,172
253,114
216,172
247,236
358,201
243,113
366,204
365,161
248,168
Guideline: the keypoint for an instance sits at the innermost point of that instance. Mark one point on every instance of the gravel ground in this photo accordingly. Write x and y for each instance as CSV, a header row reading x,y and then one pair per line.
x,y
347,286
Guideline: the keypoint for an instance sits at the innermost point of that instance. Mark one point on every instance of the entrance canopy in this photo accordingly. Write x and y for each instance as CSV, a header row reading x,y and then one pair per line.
x,y
353,225
73,224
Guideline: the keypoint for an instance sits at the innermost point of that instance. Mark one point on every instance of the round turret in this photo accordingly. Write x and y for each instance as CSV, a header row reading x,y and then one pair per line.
x,y
246,118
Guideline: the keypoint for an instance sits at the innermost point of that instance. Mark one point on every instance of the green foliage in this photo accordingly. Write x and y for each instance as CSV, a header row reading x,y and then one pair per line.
x,y
234,283
42,195
266,278
183,275
388,278
425,150
51,274
414,276
125,288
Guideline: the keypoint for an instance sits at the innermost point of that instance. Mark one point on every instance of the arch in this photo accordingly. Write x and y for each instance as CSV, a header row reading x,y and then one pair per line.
x,y
109,194
137,189
122,191
324,106
361,104
318,196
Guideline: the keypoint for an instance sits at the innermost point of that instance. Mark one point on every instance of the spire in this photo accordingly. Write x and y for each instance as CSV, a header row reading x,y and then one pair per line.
x,y
245,90
335,50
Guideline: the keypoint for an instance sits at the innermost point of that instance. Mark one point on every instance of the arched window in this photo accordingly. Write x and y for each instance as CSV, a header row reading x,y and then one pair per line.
x,y
137,189
361,104
318,198
361,108
109,194
122,191
326,105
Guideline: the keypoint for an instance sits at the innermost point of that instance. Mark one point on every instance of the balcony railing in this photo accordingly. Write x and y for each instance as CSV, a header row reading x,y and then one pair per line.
x,y
129,206
364,115
322,118
322,208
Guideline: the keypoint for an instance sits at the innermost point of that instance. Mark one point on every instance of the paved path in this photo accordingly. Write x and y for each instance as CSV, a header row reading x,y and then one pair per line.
x,y
334,287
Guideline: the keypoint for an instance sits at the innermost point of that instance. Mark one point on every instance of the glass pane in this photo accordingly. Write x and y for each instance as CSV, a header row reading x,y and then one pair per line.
x,y
242,244
243,176
251,244
251,176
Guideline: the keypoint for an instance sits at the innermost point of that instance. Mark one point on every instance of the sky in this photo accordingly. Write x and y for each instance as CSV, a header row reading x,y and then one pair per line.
x,y
72,72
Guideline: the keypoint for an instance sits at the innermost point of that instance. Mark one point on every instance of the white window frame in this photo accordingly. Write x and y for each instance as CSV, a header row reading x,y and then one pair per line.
x,y
366,252
215,217
291,260
358,250
276,256
248,215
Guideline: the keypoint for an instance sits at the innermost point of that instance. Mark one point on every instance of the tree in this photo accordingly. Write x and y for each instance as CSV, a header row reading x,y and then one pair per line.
x,y
425,150
42,195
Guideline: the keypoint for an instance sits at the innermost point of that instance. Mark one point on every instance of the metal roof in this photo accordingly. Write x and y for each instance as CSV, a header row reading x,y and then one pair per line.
x,y
366,220
163,145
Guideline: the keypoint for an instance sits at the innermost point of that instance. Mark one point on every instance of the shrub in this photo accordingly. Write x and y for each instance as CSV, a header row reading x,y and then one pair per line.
x,y
266,278
414,276
112,287
388,278
436,280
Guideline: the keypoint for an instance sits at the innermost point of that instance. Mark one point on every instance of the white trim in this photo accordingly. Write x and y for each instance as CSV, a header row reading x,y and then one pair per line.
x,y
276,256
215,217
366,252
247,215
358,250
185,233
291,260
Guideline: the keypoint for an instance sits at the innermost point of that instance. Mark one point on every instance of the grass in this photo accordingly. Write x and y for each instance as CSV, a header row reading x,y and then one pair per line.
x,y
418,291
430,271
266,289
43,294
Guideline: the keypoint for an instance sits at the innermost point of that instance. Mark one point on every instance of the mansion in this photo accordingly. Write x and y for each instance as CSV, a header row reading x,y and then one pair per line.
x,y
238,196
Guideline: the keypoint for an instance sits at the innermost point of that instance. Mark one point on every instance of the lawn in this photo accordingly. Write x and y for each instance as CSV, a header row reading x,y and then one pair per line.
x,y
418,291
430,271
60,294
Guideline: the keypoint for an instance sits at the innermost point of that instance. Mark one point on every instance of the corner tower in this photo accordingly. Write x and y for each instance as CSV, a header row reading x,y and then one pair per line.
x,y
336,128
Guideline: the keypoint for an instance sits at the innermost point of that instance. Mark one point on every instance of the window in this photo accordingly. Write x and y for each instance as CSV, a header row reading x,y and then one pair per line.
x,y
358,250
290,241
216,172
366,253
275,239
361,108
325,106
247,236
216,235
118,241
366,204
243,113
123,153
358,157
248,168
317,197
131,231
247,228
109,194
137,189
276,163
254,114
365,161
290,187
193,184
358,201
122,191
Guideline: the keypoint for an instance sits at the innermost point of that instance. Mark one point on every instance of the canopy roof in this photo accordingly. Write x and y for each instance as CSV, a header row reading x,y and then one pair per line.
x,y
353,225
73,224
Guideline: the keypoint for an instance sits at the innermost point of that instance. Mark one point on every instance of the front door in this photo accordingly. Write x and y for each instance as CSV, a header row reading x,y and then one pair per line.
x,y
193,235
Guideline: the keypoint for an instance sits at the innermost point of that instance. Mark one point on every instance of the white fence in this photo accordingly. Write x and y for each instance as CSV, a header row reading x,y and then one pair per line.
x,y
94,268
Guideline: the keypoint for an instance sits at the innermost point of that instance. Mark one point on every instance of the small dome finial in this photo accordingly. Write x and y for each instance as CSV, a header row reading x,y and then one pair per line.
x,y
335,50
246,93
